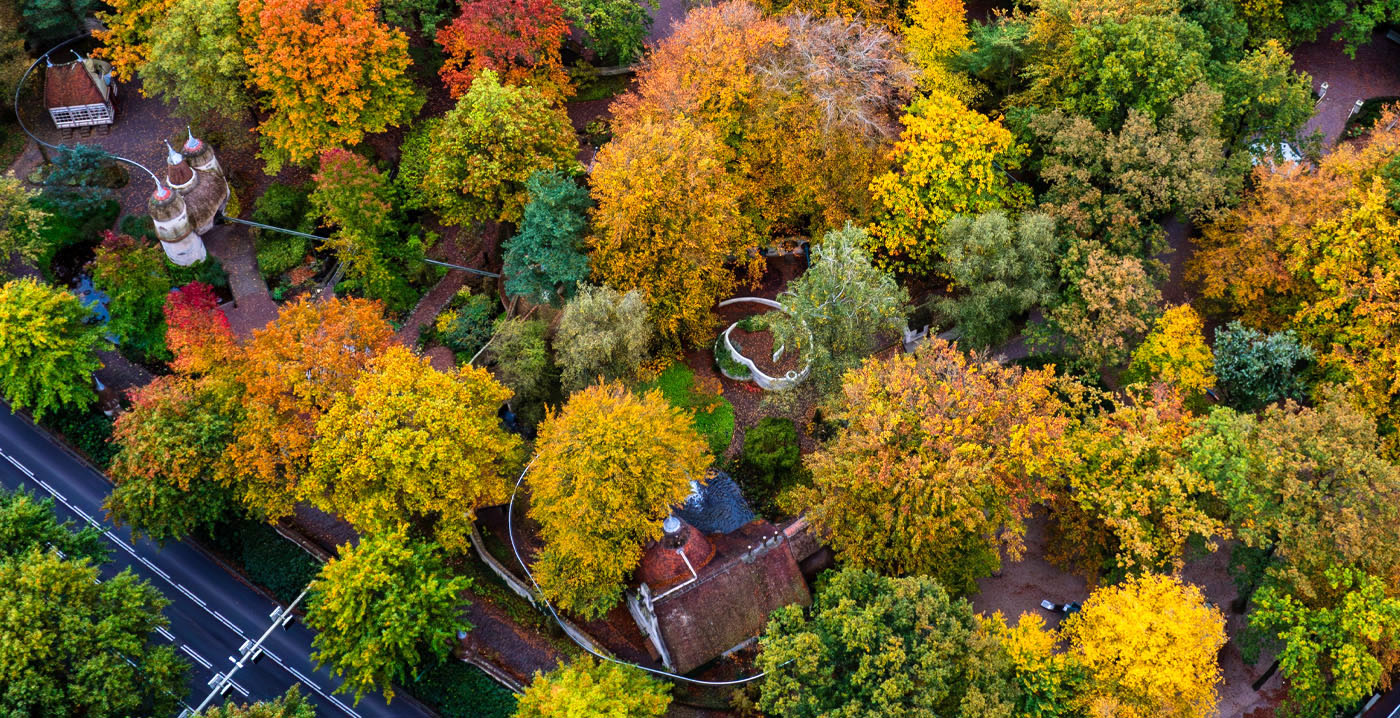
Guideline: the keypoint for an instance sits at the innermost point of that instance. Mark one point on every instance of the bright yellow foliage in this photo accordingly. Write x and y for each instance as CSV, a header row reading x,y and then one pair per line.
x,y
609,468
937,33
668,225
410,444
1175,352
130,26
950,160
1149,647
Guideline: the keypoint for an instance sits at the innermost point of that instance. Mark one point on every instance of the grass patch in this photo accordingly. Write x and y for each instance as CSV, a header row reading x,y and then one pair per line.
x,y
712,414
460,690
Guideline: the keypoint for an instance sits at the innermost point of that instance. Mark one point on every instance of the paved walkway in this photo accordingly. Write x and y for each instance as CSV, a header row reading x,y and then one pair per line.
x,y
252,307
1374,73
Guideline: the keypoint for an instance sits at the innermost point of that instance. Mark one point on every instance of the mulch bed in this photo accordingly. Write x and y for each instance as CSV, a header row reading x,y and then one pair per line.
x,y
758,347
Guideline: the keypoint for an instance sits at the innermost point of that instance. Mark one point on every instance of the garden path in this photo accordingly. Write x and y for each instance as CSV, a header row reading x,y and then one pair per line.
x,y
1374,73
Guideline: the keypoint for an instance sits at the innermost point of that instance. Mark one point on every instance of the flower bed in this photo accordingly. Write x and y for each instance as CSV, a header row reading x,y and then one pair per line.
x,y
760,345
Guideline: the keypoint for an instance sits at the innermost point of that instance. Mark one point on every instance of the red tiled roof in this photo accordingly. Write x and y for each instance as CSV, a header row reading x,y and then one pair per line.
x,y
178,174
663,568
70,85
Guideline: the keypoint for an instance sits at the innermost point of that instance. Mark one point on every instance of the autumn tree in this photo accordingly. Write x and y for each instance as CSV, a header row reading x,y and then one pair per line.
x,y
920,653
21,221
1149,646
1329,653
1121,502
288,705
587,687
544,261
677,254
47,350
936,35
410,444
603,334
129,30
133,273
1255,369
475,161
358,202
1000,269
195,60
837,309
614,29
1110,303
519,40
327,73
381,606
940,460
950,160
609,466
197,333
1114,185
1175,353
169,463
294,370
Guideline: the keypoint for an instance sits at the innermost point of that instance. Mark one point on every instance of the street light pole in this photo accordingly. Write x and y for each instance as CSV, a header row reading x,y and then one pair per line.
x,y
249,651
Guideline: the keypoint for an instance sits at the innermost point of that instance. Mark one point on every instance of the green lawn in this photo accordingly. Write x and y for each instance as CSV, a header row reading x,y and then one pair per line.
x,y
677,384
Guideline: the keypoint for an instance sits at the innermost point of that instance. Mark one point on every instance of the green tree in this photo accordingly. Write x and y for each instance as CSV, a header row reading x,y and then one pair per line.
x,y
772,458
615,29
838,307
421,16
114,669
80,178
888,647
476,160
21,221
133,273
587,688
603,334
27,522
1002,270
48,21
196,60
544,261
1255,369
1265,99
382,605
171,445
524,365
1306,19
47,351
1143,64
1329,652
607,470
1111,302
288,705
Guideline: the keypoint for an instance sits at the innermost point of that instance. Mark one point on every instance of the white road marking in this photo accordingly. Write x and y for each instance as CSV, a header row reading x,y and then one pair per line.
x,y
191,596
167,635
190,652
147,563
19,466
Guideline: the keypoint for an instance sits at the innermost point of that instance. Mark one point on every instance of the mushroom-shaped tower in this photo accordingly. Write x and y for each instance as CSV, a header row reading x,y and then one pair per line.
x,y
210,193
182,245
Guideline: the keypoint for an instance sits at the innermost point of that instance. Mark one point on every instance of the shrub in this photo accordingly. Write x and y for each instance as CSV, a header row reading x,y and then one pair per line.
x,y
209,271
65,229
467,327
267,558
87,430
460,690
602,334
713,419
1255,369
282,206
139,226
278,255
523,364
771,461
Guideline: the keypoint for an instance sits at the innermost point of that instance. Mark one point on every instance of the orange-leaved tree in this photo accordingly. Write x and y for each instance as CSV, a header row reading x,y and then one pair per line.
x,y
518,39
328,72
126,39
950,160
294,369
668,224
197,333
409,444
608,469
938,466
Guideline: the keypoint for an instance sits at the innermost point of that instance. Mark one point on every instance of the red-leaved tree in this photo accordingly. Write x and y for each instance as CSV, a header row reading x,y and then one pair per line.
x,y
518,39
197,333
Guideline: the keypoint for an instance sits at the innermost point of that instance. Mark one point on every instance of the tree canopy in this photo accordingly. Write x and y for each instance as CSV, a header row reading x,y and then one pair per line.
x,y
47,350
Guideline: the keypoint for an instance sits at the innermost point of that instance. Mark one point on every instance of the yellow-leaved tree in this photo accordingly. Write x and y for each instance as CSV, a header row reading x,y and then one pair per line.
x,y
668,224
609,468
1175,353
294,370
937,33
411,444
1148,647
950,160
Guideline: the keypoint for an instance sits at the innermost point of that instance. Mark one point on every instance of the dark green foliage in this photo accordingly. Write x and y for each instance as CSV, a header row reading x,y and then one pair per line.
x,y
140,226
422,16
269,560
615,29
1365,118
28,522
471,327
46,22
81,178
288,207
1001,269
711,413
87,430
771,461
998,55
726,362
1255,369
1305,19
209,271
65,229
544,261
460,690
524,364
133,273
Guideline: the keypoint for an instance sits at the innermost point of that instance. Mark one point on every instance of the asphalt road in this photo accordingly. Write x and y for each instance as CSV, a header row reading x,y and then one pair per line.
x,y
211,613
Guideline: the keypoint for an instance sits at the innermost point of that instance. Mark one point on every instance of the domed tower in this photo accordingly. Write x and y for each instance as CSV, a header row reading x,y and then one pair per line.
x,y
177,172
182,245
210,193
